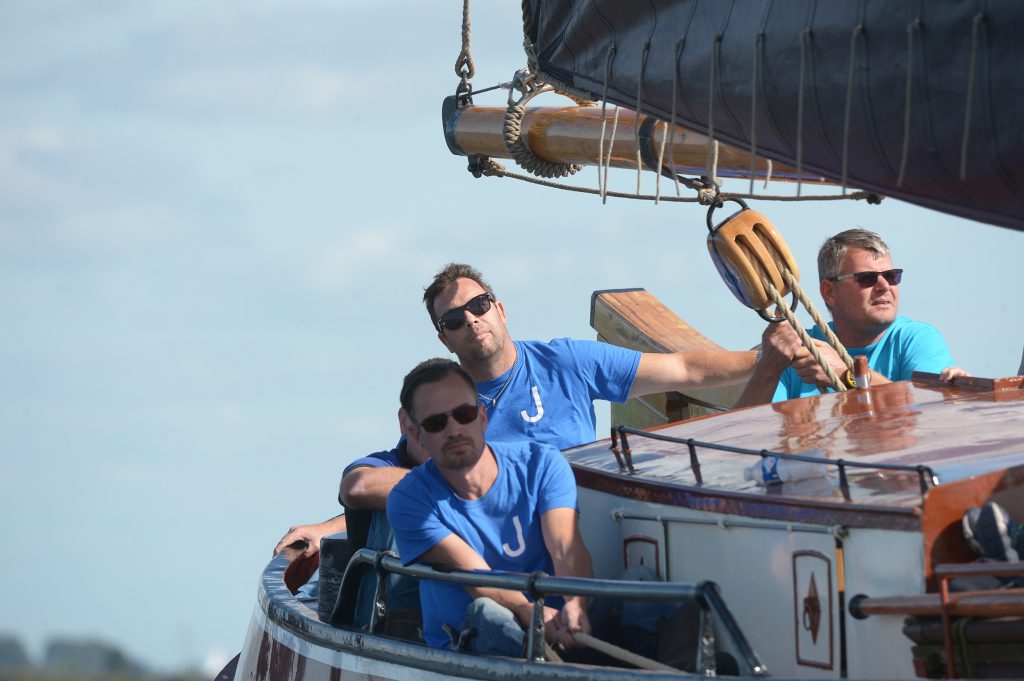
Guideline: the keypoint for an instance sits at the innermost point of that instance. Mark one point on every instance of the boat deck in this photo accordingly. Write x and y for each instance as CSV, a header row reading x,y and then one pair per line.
x,y
905,423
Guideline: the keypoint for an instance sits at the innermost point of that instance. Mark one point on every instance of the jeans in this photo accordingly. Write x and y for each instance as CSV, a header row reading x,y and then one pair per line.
x,y
403,592
495,629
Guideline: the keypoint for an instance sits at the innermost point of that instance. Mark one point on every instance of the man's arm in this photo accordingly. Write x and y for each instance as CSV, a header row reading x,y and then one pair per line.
x,y
571,559
780,345
367,487
453,553
310,534
663,372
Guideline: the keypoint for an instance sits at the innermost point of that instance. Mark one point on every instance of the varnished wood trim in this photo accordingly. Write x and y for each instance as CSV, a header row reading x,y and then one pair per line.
x,y
789,509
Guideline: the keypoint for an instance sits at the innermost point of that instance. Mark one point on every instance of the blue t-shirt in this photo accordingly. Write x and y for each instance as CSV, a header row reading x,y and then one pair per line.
x,y
503,525
551,390
906,346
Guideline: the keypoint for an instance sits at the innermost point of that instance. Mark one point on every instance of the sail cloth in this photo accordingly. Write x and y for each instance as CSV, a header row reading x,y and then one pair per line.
x,y
802,80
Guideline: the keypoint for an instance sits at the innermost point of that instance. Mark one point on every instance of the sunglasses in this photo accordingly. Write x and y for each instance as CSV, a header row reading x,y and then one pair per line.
x,y
435,423
454,319
868,279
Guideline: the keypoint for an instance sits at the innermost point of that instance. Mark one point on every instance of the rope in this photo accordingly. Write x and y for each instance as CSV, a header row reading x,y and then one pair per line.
x,y
711,101
800,113
637,110
965,145
492,168
661,161
465,69
622,654
758,47
819,321
912,28
672,137
794,285
604,119
804,337
512,131
608,160
857,31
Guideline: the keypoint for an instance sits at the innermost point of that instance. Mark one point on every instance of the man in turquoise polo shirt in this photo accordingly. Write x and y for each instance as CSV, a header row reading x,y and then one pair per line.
x,y
861,288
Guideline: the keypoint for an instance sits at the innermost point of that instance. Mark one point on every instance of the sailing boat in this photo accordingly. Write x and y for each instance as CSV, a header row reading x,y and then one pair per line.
x,y
813,577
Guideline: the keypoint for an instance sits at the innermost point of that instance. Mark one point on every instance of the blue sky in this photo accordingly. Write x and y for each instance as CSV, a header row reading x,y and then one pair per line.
x,y
216,221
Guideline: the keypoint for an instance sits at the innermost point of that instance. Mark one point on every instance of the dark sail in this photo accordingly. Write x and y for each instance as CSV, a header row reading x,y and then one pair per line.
x,y
822,85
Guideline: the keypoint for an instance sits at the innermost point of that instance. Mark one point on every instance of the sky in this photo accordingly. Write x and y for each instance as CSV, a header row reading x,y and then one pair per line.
x,y
216,223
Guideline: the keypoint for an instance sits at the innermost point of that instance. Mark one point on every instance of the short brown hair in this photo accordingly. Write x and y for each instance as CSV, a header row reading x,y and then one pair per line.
x,y
448,274
832,252
430,371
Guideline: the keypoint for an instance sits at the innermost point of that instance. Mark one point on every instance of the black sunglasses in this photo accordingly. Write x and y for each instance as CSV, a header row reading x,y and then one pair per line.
x,y
454,319
868,279
435,423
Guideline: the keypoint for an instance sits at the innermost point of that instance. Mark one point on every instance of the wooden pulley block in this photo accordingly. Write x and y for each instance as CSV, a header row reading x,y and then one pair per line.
x,y
746,248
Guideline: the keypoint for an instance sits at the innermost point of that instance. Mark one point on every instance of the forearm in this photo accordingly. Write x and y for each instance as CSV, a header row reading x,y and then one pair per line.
x,y
662,372
760,389
368,487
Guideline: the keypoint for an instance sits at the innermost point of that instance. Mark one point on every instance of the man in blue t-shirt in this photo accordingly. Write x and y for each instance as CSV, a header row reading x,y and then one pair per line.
x,y
507,506
546,391
861,290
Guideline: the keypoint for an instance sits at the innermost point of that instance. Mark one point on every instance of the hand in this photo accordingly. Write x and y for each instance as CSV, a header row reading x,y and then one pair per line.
x,y
811,372
780,344
949,373
573,620
310,534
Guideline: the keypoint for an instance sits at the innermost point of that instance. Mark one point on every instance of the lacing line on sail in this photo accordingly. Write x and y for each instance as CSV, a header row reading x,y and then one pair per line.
x,y
638,109
965,144
758,47
912,28
672,136
711,105
804,36
661,162
858,31
602,183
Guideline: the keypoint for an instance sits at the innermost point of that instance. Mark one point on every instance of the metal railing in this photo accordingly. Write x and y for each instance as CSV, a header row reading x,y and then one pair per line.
x,y
926,476
713,610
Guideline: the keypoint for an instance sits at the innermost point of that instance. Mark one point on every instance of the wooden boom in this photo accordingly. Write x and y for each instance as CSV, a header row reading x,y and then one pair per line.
x,y
573,135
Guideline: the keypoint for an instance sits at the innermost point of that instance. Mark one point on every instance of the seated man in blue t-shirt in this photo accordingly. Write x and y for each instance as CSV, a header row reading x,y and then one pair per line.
x,y
507,506
363,492
861,290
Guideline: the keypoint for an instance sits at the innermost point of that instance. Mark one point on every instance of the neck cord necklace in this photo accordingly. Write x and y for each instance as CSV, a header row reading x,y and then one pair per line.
x,y
492,401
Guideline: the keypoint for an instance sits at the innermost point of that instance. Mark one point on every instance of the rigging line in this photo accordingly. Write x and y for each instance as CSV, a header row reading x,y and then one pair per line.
x,y
965,144
608,159
672,137
804,35
758,48
661,161
711,100
465,69
858,30
604,118
912,29
494,169
636,117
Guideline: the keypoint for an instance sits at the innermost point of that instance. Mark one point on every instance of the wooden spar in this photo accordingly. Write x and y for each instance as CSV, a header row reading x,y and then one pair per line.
x,y
573,135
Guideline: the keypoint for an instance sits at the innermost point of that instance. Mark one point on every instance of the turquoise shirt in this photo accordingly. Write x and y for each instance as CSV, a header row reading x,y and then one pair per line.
x,y
907,346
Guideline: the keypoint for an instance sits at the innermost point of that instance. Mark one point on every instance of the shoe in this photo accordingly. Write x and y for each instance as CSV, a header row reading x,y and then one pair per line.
x,y
992,534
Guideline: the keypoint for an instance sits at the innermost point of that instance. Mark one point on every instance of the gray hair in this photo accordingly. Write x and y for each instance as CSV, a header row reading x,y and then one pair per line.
x,y
830,257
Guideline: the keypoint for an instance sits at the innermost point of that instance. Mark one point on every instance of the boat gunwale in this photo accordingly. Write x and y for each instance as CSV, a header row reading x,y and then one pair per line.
x,y
282,609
